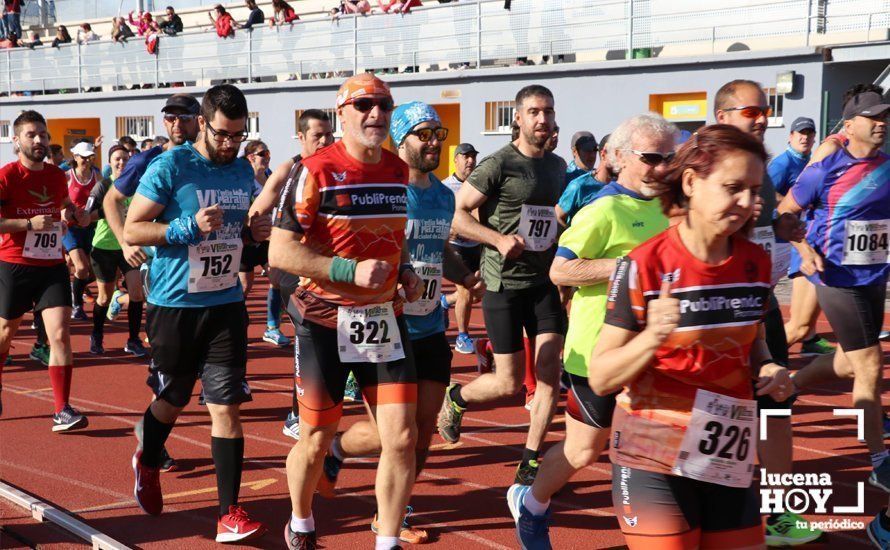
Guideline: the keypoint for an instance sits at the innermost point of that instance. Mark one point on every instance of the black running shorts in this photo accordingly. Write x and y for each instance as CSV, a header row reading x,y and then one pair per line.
x,y
432,358
26,287
538,310
253,255
107,263
471,256
856,314
584,405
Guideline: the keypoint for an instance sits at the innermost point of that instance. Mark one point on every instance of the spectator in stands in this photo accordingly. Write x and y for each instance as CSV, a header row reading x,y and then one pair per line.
x,y
173,24
146,144
398,6
62,36
223,22
11,41
12,16
256,16
120,31
35,40
355,6
145,24
85,34
283,13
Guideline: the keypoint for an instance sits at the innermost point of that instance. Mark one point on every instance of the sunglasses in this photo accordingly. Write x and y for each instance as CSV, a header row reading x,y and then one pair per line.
x,y
265,154
752,111
221,137
652,159
426,134
365,104
172,118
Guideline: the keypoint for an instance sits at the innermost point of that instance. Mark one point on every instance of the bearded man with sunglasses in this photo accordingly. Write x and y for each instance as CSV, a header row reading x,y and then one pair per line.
x,y
192,204
742,103
516,190
340,224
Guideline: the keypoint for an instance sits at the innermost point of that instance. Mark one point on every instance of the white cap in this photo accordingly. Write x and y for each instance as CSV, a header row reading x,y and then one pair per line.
x,y
83,149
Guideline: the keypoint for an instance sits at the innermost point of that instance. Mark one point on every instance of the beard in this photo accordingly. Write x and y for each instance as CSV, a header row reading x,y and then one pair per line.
x,y
531,138
34,153
218,156
417,159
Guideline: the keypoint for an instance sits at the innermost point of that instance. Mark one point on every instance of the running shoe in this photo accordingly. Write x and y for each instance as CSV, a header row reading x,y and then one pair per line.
x,y
114,307
69,419
785,530
529,399
450,418
484,355
147,489
168,464
407,533
299,541
96,345
78,314
88,296
327,483
876,532
533,532
526,472
274,336
236,526
880,476
353,391
292,426
884,335
134,346
40,353
463,344
817,346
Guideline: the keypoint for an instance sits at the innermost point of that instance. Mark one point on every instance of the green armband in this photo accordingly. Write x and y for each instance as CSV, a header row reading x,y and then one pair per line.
x,y
342,270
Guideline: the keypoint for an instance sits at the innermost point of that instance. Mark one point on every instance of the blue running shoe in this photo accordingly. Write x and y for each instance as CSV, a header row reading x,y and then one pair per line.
x,y
443,301
292,426
880,476
464,344
114,307
876,532
274,336
533,532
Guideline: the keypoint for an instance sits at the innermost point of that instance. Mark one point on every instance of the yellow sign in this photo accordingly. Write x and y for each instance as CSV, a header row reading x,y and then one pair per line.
x,y
689,109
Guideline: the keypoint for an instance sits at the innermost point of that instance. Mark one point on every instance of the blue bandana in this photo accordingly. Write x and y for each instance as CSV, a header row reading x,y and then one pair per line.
x,y
409,115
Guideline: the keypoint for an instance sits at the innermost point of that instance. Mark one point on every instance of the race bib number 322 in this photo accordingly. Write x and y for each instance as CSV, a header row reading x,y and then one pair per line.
x,y
368,334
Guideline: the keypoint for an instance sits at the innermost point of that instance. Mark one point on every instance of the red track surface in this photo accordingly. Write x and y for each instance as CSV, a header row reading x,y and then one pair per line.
x,y
460,496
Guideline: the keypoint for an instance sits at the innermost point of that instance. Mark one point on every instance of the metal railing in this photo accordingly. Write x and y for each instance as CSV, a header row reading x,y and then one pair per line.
x,y
469,33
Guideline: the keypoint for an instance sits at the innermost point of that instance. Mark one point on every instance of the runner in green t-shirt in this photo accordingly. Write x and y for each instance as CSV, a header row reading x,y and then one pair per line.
x,y
623,215
108,263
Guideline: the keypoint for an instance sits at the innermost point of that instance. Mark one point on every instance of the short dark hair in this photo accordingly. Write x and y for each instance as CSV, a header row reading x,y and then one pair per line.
x,y
27,117
55,149
532,90
127,141
857,89
145,143
729,90
311,114
161,140
169,8
224,98
252,146
219,8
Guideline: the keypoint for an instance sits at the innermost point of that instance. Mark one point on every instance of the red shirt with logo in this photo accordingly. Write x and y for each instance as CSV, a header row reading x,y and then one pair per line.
x,y
24,194
721,307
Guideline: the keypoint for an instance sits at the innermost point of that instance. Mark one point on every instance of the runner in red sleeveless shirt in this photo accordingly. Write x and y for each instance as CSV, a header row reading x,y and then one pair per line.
x,y
78,241
34,212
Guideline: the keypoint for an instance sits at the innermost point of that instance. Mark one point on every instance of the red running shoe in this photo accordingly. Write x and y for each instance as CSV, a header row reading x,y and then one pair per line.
x,y
147,489
237,526
484,355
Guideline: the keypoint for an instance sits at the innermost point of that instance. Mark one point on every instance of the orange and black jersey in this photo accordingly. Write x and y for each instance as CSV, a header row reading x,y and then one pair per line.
x,y
721,307
343,207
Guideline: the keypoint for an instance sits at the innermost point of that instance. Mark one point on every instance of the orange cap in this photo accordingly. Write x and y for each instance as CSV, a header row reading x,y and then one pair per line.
x,y
361,85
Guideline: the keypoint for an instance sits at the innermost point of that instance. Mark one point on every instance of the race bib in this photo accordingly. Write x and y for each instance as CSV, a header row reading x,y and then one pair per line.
x,y
368,334
537,225
865,242
720,441
431,276
779,251
44,245
213,265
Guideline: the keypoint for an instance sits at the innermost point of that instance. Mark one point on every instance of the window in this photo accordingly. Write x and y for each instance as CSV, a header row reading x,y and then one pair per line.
x,y
776,101
253,125
5,131
332,114
498,117
137,127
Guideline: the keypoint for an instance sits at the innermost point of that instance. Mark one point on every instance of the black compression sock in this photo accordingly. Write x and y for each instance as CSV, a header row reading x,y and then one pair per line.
x,y
528,455
77,288
456,397
99,313
40,328
134,319
154,435
228,457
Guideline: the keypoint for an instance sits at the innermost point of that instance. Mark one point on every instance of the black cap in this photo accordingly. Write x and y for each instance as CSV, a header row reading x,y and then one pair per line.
x,y
584,141
465,149
802,124
183,102
604,141
865,104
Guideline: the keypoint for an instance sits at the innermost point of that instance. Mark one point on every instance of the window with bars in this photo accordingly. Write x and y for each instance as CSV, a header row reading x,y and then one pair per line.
x,y
253,125
137,127
777,102
5,131
332,114
498,117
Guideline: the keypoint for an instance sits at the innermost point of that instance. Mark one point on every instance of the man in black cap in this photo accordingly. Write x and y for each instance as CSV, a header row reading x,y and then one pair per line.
x,y
181,122
584,150
785,168
469,250
581,189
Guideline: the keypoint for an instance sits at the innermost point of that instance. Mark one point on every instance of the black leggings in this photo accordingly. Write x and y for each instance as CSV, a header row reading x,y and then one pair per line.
x,y
856,314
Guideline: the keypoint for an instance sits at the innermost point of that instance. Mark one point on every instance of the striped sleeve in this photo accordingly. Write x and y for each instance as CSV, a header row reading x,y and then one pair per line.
x,y
625,307
298,201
